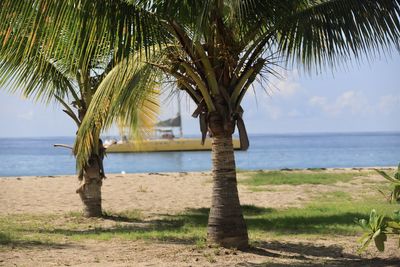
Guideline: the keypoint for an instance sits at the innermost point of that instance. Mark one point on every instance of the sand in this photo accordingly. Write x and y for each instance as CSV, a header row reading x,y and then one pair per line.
x,y
168,192
157,194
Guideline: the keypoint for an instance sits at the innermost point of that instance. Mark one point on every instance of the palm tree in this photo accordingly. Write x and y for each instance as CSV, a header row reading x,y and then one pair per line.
x,y
50,77
214,50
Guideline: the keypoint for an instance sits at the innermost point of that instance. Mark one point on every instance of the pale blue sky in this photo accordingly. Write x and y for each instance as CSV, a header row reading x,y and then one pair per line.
x,y
359,98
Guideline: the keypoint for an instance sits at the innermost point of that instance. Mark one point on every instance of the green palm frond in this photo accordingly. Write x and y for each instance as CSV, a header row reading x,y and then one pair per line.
x,y
34,76
128,95
89,26
36,82
328,33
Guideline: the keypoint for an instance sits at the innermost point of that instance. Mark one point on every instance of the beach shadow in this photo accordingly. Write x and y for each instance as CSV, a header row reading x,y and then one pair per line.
x,y
331,263
190,227
302,249
257,219
199,217
9,242
136,226
119,218
318,224
163,230
307,254
168,229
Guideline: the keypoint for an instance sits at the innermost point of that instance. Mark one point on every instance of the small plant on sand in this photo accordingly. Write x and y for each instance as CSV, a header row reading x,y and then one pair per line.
x,y
378,227
394,196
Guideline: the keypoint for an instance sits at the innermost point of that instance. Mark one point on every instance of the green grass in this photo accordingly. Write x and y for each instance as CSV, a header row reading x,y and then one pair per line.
x,y
26,229
334,216
5,238
314,220
297,178
331,214
335,196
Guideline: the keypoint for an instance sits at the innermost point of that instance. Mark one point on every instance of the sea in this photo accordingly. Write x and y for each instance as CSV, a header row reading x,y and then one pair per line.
x,y
38,157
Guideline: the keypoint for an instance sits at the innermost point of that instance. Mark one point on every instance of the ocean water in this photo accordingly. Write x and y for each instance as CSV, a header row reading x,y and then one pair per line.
x,y
37,156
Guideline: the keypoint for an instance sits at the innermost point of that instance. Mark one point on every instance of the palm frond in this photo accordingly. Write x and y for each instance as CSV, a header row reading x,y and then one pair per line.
x,y
40,83
90,26
128,95
328,33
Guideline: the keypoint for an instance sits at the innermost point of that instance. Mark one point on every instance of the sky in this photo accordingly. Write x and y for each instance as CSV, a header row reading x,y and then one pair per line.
x,y
359,98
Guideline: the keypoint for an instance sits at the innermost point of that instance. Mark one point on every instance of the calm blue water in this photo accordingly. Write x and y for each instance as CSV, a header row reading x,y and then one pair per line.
x,y
37,156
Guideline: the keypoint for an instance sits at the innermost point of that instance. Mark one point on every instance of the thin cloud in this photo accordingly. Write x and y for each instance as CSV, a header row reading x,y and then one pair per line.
x,y
351,101
389,103
286,84
26,115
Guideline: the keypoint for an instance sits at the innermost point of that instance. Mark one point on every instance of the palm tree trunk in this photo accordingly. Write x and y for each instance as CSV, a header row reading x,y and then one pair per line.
x,y
226,226
91,176
90,190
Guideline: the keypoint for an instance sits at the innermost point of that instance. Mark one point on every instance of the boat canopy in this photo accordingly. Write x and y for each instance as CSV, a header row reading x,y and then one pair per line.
x,y
173,122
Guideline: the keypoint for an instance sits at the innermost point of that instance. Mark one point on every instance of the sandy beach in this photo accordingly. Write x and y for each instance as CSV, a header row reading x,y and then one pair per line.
x,y
158,194
152,193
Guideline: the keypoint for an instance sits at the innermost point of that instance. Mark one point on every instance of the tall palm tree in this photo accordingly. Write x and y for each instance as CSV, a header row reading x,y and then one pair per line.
x,y
50,77
215,49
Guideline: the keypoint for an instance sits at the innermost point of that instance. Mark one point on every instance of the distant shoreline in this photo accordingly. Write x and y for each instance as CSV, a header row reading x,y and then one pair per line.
x,y
396,132
372,168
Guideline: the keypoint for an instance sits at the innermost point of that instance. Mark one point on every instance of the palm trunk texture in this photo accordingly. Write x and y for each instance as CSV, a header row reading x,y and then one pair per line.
x,y
226,225
90,190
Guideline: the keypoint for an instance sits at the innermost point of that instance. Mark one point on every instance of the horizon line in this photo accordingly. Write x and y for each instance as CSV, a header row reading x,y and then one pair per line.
x,y
235,134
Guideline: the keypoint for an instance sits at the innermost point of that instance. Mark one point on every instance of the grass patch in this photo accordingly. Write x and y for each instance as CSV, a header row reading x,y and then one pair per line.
x,y
336,196
296,178
263,189
314,220
5,238
21,229
124,216
331,215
